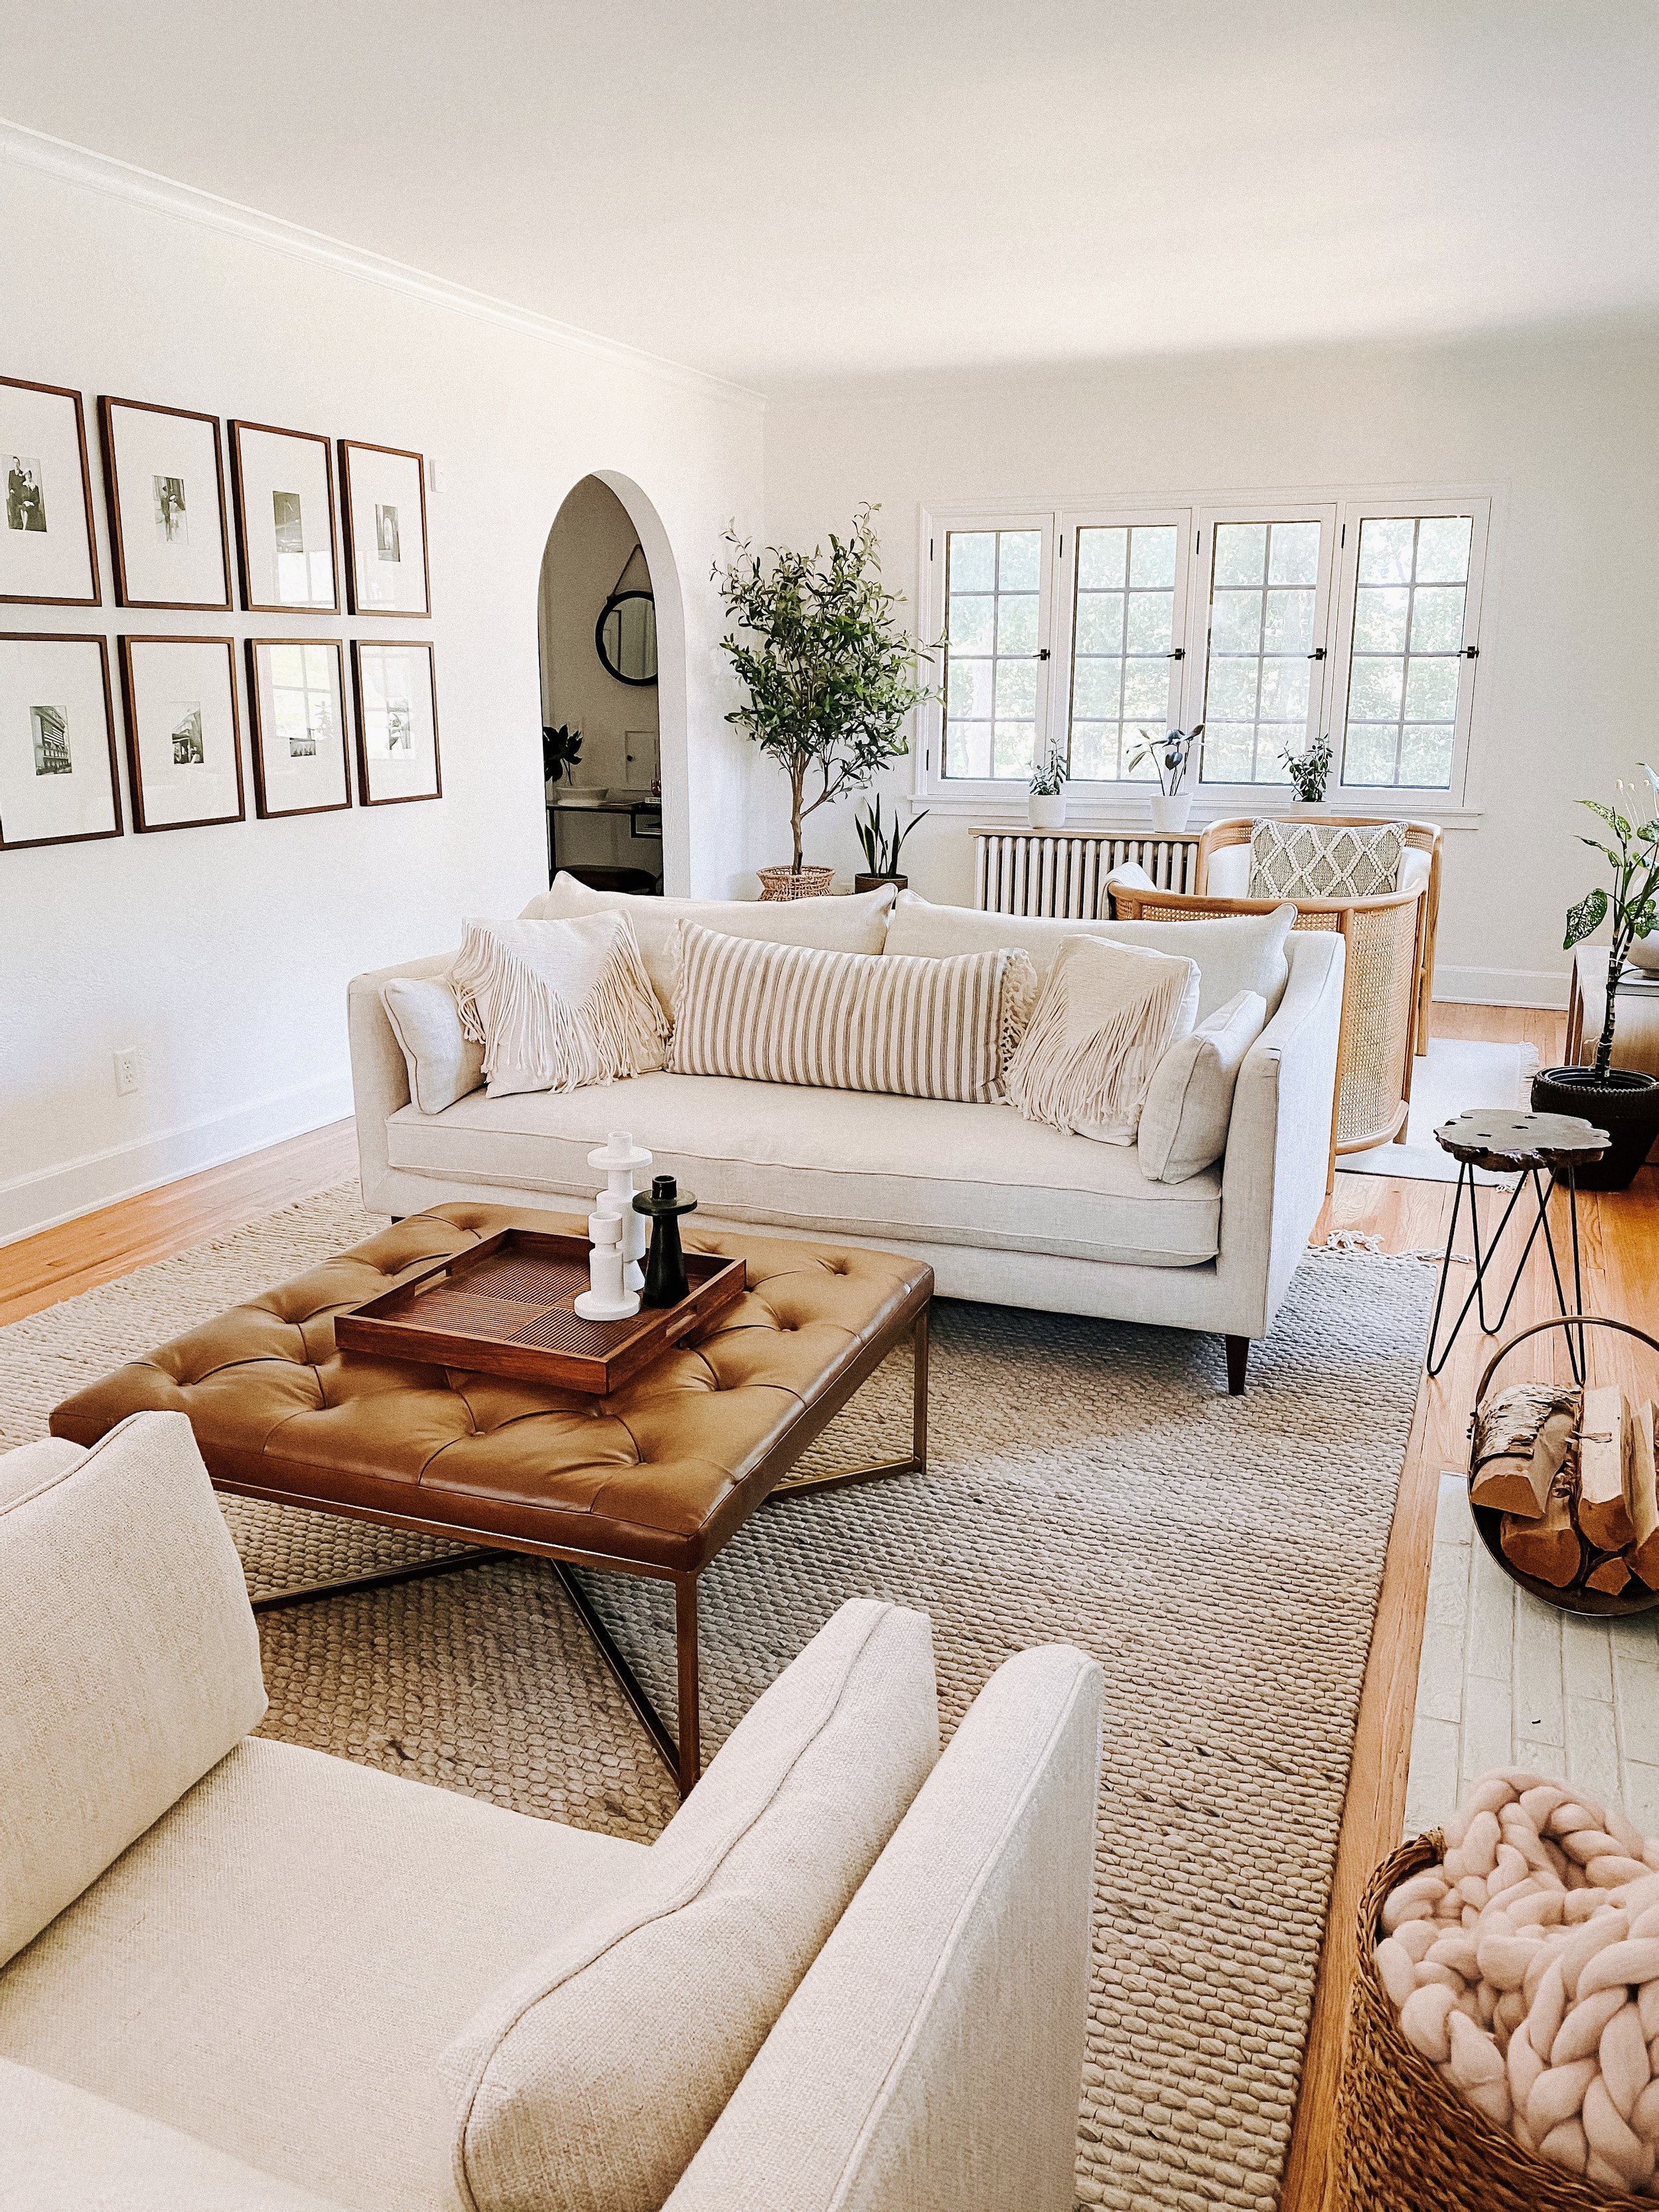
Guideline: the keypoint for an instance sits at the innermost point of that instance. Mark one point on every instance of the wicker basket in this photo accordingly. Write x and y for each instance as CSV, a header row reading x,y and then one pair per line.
x,y
792,883
1404,2139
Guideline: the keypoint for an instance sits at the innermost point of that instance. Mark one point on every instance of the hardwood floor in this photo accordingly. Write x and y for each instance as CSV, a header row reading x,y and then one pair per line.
x,y
1620,1242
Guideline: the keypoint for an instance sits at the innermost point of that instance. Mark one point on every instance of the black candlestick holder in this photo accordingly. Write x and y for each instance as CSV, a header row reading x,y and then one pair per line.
x,y
665,1264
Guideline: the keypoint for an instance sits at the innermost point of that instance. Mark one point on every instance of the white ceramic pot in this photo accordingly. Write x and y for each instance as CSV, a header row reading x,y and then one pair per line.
x,y
1046,813
1171,813
1644,953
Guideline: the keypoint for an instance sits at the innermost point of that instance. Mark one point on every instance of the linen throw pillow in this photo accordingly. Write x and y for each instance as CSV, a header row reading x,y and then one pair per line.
x,y
1108,1015
556,1005
849,1021
444,1064
1189,1100
1324,859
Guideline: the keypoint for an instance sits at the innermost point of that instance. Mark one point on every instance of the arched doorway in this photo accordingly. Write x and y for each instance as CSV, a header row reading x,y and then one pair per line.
x,y
613,670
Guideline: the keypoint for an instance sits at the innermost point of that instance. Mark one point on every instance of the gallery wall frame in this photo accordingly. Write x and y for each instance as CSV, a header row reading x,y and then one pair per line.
x,y
283,482
288,678
382,491
40,740
395,686
43,442
161,531
179,697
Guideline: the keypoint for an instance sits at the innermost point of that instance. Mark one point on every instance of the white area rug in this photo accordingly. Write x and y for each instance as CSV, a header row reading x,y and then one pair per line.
x,y
1455,1074
1091,1483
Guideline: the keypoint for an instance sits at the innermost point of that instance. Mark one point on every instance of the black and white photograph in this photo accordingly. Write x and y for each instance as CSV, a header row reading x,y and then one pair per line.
x,y
283,484
171,520
58,775
297,692
396,722
26,499
383,491
183,731
169,531
47,552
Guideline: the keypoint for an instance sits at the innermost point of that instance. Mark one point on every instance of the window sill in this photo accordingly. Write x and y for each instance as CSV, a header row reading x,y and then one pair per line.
x,y
1000,813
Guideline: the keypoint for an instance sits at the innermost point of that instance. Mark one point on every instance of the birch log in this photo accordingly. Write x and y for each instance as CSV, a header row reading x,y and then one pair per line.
x,y
1520,1439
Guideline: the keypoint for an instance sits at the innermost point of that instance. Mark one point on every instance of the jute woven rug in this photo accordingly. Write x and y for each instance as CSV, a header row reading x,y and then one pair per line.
x,y
1090,1483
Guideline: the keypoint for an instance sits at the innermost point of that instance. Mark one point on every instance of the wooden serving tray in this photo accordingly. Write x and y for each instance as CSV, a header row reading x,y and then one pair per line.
x,y
506,1307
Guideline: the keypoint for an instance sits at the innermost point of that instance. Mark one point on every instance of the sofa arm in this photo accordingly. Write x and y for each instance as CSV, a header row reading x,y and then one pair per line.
x,y
1276,1173
379,1073
133,1658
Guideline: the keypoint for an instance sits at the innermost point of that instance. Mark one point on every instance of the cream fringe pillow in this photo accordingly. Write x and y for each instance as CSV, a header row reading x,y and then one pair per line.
x,y
1108,1015
557,1005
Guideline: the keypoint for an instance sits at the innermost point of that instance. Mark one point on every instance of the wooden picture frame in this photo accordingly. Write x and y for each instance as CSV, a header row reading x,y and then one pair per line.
x,y
168,554
377,701
158,699
373,544
27,743
276,552
34,494
270,772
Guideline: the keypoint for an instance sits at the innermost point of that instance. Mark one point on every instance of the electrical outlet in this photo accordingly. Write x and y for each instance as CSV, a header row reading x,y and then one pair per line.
x,y
128,1071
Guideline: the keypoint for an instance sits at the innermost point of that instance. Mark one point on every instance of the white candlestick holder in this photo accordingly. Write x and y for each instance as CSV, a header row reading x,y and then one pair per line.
x,y
605,1298
622,1162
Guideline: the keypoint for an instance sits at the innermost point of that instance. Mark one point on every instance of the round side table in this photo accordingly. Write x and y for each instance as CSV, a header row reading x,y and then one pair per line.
x,y
1542,1149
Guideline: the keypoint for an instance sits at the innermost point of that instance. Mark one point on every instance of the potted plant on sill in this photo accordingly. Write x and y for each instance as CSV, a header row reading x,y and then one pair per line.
x,y
1169,755
1309,772
881,843
1620,1100
826,665
1047,804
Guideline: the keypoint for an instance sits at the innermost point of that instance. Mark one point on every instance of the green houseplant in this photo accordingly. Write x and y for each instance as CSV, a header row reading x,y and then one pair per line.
x,y
827,668
1620,1100
1309,771
1169,755
1047,806
882,842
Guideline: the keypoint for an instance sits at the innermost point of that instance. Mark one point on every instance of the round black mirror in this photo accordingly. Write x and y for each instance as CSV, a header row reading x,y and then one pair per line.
x,y
626,635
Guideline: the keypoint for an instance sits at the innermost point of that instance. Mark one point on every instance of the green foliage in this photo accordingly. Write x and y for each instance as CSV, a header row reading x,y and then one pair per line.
x,y
1169,755
1311,771
826,665
1050,777
1632,903
882,842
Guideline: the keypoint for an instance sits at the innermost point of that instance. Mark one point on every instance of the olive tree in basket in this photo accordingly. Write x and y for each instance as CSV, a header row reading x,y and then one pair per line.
x,y
827,667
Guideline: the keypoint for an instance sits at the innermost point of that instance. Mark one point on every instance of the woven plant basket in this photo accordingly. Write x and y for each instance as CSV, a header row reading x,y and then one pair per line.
x,y
787,884
1404,2139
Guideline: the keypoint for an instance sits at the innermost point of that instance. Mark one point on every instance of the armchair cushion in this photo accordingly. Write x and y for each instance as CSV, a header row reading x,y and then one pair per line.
x,y
1325,860
133,1662
587,2081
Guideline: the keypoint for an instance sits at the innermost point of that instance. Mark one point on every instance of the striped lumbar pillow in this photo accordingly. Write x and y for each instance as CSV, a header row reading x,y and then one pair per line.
x,y
849,1021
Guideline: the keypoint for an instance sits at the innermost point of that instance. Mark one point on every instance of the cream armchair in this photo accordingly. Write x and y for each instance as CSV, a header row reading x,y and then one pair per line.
x,y
239,1975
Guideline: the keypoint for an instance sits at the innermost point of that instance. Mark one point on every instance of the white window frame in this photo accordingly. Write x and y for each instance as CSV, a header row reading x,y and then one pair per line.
x,y
1070,520
1325,514
1001,802
1422,797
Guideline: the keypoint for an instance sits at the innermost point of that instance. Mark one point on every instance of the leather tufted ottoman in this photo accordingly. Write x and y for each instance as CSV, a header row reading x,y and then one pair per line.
x,y
652,1480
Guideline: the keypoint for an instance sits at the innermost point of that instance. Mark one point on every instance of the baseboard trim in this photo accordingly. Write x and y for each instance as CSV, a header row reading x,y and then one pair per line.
x,y
1544,988
46,1197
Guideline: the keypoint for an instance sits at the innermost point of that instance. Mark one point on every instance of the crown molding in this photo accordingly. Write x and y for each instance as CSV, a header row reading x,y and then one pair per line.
x,y
79,165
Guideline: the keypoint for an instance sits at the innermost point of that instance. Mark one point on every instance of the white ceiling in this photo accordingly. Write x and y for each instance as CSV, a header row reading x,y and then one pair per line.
x,y
779,189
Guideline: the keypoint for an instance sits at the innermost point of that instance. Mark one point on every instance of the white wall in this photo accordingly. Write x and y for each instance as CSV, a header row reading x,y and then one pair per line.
x,y
222,954
1564,430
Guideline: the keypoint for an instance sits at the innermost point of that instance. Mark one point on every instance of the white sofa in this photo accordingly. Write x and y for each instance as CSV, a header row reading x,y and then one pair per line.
x,y
1004,1210
240,1976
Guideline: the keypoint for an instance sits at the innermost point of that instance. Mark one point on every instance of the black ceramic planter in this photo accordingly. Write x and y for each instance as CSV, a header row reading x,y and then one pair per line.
x,y
1621,1101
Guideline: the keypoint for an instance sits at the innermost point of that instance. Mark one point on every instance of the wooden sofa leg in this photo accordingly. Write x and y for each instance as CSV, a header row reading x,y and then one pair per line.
x,y
1239,1353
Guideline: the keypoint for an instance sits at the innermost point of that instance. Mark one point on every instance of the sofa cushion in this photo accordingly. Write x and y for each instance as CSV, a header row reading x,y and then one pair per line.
x,y
849,1021
444,1063
858,924
1107,1015
557,1005
587,2082
1234,953
276,1965
68,2151
133,1662
1189,1101
830,1164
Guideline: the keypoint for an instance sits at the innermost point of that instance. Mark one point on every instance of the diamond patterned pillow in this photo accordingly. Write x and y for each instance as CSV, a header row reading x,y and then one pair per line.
x,y
1322,861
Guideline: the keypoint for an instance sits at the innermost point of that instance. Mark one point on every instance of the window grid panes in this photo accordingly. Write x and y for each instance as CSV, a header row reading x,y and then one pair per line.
x,y
1123,638
994,580
1412,582
1263,598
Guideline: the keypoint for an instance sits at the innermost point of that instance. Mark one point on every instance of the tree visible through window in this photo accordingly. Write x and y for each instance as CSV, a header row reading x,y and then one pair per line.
x,y
1411,583
1264,591
1123,638
994,580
